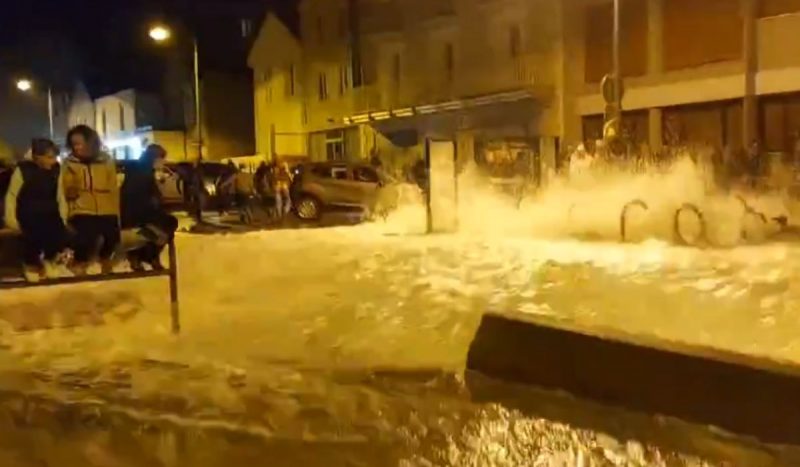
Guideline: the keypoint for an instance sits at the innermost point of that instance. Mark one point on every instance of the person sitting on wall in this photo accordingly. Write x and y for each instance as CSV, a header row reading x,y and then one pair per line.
x,y
89,200
142,209
32,209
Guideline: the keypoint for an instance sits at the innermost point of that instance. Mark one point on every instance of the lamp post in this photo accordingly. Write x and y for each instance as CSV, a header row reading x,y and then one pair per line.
x,y
26,85
612,90
617,71
160,33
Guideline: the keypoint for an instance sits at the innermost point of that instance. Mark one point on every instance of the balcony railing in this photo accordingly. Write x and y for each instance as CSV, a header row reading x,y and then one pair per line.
x,y
505,74
528,72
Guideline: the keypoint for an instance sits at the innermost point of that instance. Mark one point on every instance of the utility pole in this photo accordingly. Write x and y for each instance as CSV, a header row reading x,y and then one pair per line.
x,y
617,70
50,112
355,42
198,109
612,89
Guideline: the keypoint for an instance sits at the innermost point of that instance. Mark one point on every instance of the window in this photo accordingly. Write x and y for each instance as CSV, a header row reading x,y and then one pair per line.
x,y
449,61
247,27
343,81
515,41
121,118
396,69
323,87
320,30
334,146
266,77
335,151
322,171
366,175
339,173
290,79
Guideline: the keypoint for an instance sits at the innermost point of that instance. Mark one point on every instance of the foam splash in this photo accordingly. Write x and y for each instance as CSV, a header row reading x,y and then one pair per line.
x,y
588,204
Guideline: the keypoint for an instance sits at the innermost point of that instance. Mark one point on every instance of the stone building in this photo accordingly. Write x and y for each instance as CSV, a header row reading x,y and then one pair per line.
x,y
376,77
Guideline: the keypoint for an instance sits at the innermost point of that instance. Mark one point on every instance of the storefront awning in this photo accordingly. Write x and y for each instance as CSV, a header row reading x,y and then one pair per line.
x,y
442,107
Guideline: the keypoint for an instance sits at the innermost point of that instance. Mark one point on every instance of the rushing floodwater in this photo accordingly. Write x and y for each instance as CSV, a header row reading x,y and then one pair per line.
x,y
347,347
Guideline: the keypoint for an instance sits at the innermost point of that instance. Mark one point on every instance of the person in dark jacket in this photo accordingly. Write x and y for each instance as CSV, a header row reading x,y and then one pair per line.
x,y
142,209
5,181
32,208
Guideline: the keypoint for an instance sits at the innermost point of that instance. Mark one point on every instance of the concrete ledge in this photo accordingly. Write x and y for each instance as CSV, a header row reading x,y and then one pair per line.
x,y
741,394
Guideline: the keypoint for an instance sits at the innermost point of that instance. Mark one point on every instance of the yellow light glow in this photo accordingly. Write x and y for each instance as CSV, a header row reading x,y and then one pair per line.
x,y
160,33
24,85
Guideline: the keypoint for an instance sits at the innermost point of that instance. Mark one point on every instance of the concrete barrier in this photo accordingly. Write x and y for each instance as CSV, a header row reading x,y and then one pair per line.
x,y
738,393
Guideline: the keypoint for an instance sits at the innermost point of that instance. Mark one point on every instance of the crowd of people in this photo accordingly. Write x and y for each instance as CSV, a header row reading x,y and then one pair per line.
x,y
74,212
269,185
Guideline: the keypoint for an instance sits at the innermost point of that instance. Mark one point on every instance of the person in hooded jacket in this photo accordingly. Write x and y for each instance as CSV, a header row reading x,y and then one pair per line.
x,y
32,209
142,209
90,200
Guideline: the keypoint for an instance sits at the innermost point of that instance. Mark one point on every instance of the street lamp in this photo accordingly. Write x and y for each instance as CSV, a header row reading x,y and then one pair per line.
x,y
161,33
612,88
26,85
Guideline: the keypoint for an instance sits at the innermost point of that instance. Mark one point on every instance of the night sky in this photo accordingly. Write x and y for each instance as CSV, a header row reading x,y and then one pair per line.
x,y
105,44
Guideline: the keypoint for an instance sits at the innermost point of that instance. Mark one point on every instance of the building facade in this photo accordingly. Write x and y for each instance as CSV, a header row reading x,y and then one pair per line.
x,y
279,109
124,121
721,73
374,79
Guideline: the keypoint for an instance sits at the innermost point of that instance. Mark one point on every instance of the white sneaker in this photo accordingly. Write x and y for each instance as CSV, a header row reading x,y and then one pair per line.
x,y
31,274
50,270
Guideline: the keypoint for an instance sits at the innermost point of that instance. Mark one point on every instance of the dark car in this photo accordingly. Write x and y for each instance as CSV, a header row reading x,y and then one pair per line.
x,y
327,186
177,179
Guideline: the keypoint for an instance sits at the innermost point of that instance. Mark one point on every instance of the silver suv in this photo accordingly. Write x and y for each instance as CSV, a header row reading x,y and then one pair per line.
x,y
338,186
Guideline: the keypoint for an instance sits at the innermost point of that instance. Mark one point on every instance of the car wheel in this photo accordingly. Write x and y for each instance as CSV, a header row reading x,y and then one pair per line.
x,y
308,208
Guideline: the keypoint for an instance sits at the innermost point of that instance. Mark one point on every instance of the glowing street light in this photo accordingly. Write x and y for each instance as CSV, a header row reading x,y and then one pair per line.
x,y
160,33
24,85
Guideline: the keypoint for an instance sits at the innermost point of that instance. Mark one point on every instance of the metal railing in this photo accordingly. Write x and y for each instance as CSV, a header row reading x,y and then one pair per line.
x,y
171,272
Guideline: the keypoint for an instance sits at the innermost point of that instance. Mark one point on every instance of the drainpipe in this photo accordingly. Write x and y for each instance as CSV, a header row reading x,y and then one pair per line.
x,y
355,43
750,55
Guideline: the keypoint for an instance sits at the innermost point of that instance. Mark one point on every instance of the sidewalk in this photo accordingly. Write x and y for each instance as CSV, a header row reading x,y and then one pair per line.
x,y
213,223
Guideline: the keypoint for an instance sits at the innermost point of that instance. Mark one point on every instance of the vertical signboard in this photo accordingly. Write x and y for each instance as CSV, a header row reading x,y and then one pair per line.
x,y
442,199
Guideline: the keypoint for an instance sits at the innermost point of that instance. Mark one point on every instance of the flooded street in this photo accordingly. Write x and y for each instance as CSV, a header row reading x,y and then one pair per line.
x,y
347,346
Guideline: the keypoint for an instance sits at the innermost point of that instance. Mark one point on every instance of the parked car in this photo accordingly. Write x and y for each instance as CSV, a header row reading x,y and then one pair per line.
x,y
176,179
318,187
170,183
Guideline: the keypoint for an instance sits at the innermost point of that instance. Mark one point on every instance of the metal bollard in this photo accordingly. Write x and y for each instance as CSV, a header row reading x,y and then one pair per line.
x,y
173,289
623,228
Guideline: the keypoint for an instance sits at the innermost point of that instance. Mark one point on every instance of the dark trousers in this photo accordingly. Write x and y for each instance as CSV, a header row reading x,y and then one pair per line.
x,y
42,238
150,253
94,231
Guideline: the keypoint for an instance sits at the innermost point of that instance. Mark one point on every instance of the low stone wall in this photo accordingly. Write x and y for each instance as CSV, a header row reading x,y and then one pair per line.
x,y
741,394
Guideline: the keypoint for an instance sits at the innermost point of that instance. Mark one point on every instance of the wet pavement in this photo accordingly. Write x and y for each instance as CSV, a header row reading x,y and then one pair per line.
x,y
346,346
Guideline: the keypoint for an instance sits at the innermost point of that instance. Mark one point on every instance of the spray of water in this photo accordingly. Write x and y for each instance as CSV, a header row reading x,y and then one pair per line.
x,y
588,203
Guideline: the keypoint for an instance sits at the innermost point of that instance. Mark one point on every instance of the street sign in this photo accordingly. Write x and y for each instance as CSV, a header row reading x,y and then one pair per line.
x,y
608,87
